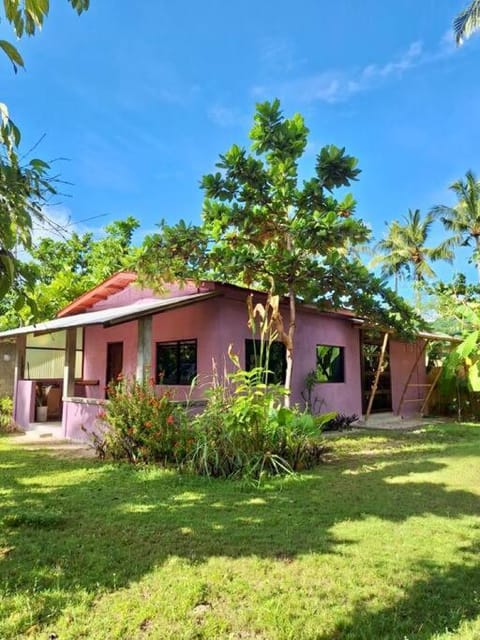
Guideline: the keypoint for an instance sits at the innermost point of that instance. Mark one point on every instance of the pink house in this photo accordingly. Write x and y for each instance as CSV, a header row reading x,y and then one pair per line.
x,y
175,338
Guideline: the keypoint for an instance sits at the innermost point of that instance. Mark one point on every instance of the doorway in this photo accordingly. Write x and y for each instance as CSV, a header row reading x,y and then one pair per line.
x,y
371,347
114,361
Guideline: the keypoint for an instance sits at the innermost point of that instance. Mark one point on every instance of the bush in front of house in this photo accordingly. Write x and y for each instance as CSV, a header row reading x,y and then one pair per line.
x,y
245,431
139,426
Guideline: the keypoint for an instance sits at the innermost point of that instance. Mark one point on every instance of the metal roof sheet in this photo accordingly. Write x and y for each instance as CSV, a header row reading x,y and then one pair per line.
x,y
110,317
439,336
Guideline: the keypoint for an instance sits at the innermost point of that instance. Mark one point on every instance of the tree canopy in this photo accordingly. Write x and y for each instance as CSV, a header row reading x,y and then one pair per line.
x,y
264,226
24,186
405,251
463,219
62,270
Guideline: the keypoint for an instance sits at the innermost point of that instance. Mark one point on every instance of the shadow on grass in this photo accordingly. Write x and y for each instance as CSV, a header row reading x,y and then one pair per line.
x,y
68,526
437,604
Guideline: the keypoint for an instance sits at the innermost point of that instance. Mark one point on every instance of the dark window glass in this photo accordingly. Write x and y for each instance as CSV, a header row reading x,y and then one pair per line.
x,y
330,363
276,359
176,362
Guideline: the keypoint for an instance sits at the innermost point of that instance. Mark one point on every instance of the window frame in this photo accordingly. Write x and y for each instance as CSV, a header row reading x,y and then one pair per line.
x,y
339,379
178,344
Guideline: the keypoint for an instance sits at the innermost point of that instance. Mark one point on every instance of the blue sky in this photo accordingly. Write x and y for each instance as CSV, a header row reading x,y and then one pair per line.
x,y
140,98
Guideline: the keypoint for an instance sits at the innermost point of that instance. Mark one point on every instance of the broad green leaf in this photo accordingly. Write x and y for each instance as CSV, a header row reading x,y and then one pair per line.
x,y
12,53
474,377
469,345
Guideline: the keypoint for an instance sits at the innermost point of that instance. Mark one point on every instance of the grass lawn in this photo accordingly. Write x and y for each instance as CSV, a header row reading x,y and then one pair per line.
x,y
382,542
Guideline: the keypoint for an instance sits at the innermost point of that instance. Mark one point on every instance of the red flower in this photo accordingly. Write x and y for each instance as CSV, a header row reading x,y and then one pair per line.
x,y
147,424
170,419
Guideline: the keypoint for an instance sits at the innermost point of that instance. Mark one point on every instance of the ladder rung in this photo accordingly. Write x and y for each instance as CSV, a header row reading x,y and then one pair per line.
x,y
414,400
419,385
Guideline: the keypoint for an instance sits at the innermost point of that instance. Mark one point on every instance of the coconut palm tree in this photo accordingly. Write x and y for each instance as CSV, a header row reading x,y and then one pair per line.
x,y
391,254
467,22
464,217
405,250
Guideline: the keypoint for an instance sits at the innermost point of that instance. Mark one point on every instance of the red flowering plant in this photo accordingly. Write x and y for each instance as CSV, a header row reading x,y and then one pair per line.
x,y
142,426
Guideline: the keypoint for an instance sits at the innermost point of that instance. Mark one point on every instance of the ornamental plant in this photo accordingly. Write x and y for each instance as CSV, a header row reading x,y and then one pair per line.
x,y
245,431
141,426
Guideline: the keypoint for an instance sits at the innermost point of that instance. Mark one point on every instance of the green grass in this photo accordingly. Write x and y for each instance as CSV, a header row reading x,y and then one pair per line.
x,y
381,542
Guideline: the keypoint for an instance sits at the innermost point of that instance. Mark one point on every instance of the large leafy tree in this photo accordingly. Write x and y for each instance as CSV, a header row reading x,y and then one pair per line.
x,y
24,187
467,21
405,249
61,270
263,226
464,217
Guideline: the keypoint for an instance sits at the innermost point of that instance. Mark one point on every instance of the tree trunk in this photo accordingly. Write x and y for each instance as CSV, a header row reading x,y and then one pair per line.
x,y
418,295
477,242
289,347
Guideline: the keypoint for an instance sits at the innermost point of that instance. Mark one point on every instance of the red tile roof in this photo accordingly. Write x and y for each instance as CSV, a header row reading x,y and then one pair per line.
x,y
114,284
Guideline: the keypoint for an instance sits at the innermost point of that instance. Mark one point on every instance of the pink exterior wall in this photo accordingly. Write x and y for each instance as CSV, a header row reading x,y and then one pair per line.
x,y
200,321
313,329
402,359
78,414
96,339
24,411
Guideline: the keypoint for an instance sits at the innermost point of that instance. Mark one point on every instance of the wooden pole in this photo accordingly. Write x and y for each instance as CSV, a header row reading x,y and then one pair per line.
x,y
377,376
144,348
19,369
69,364
431,390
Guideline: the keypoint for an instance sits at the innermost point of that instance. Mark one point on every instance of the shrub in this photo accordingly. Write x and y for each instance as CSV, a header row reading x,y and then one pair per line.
x,y
141,426
6,415
245,431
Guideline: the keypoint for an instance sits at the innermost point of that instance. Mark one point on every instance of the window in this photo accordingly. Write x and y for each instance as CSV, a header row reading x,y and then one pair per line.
x,y
330,363
176,362
45,355
276,360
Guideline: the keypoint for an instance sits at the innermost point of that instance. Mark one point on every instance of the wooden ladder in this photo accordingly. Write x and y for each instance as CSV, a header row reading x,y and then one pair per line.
x,y
429,387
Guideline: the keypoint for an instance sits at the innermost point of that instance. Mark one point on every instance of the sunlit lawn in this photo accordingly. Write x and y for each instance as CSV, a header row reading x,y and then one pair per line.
x,y
383,541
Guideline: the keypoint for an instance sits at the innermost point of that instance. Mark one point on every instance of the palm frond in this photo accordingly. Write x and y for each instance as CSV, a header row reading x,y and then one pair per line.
x,y
467,22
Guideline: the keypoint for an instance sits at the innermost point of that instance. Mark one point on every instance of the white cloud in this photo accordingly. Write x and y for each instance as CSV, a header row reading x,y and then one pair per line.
x,y
277,55
334,86
225,116
58,223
